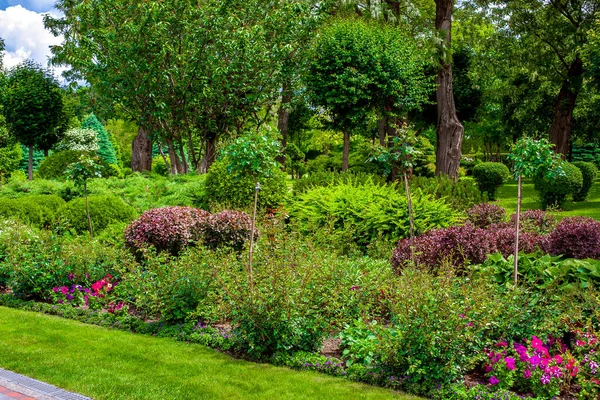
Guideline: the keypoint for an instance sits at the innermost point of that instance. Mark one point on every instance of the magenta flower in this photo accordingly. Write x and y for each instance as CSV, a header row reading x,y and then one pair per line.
x,y
545,379
494,381
534,360
527,374
510,363
503,343
558,359
64,290
487,368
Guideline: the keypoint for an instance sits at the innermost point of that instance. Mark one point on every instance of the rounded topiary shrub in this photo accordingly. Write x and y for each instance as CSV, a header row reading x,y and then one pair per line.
x,y
55,165
50,205
228,228
588,173
223,188
104,211
576,237
24,210
490,176
167,229
485,214
553,192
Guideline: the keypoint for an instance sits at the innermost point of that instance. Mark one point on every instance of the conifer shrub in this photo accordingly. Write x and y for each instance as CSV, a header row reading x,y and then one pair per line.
x,y
490,176
24,210
106,150
459,195
588,173
104,211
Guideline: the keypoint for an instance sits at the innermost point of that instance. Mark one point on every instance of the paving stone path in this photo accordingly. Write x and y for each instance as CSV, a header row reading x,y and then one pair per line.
x,y
19,387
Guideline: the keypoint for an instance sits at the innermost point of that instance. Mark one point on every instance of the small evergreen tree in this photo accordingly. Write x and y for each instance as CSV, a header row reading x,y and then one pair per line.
x,y
107,151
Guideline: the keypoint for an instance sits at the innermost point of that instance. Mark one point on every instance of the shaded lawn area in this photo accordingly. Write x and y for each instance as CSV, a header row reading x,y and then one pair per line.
x,y
109,364
507,198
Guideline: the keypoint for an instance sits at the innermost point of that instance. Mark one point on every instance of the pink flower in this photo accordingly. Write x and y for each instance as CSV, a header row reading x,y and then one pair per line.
x,y
64,290
558,359
503,343
527,374
510,363
574,372
580,343
487,368
494,381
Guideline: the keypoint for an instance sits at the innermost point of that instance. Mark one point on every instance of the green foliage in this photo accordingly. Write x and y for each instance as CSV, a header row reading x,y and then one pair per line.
x,y
588,172
253,154
367,211
104,211
553,192
86,167
106,150
534,158
359,343
10,158
321,179
222,188
490,176
24,210
543,271
123,133
55,165
38,157
160,167
460,195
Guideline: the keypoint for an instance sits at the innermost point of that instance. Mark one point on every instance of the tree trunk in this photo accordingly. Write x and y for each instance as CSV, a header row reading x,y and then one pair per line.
x,y
209,154
87,210
516,252
185,166
45,153
449,129
381,124
30,163
283,121
141,152
346,150
562,124
176,167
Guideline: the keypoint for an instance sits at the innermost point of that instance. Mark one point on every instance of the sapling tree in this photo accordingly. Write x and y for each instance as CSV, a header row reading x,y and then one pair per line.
x,y
253,154
85,168
400,157
531,158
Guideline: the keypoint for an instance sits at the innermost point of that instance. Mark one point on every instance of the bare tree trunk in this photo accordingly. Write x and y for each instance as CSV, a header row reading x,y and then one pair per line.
x,y
192,151
562,124
185,166
346,150
283,120
449,129
209,154
381,124
30,163
516,260
176,167
45,153
141,152
162,154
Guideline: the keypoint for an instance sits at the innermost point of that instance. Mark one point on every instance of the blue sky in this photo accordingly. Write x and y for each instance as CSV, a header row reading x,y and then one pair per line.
x,y
22,28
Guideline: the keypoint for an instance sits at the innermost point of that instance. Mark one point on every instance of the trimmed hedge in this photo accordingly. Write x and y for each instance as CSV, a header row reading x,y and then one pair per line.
x,y
490,176
588,172
553,192
55,165
104,211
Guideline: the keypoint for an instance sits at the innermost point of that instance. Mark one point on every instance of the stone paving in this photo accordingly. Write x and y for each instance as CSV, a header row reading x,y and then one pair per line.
x,y
19,387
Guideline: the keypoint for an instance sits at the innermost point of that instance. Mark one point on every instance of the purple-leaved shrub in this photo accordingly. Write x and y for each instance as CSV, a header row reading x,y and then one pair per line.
x,y
575,237
485,214
228,228
536,221
167,229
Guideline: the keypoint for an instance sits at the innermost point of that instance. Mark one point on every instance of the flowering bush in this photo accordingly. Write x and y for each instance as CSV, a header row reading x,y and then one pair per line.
x,y
485,214
94,297
545,369
168,228
576,237
535,221
228,228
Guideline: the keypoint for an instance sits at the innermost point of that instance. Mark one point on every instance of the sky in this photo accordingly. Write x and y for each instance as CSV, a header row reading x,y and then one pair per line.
x,y
22,28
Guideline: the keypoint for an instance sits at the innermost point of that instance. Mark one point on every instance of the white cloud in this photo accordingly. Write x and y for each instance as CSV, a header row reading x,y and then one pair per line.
x,y
34,5
25,37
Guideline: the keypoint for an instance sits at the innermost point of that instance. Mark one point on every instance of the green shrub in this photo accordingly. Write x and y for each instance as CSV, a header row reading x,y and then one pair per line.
x,y
553,192
460,195
490,176
323,178
588,172
25,210
55,165
159,166
104,211
50,204
368,211
221,188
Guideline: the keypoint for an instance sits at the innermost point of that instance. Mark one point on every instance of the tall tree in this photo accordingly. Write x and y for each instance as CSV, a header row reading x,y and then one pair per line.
x,y
32,106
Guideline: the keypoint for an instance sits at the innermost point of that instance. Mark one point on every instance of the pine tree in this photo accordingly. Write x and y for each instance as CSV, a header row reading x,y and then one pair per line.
x,y
107,151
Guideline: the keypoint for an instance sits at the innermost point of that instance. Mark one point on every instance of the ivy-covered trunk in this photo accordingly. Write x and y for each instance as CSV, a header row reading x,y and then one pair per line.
x,y
562,124
449,129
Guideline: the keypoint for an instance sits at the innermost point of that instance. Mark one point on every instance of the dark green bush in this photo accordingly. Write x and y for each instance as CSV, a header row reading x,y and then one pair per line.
x,y
368,211
104,211
553,192
459,195
223,189
588,172
55,165
490,176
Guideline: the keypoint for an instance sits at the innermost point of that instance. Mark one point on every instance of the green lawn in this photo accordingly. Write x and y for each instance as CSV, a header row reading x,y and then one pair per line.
x,y
110,364
507,198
